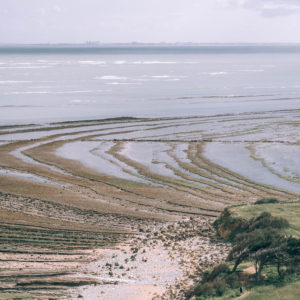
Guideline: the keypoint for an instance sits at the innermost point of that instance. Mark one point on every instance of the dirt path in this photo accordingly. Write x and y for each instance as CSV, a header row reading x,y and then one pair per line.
x,y
245,294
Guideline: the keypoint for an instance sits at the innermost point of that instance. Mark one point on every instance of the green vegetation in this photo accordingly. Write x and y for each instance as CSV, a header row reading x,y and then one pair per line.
x,y
287,292
266,201
222,283
215,283
286,288
135,250
287,210
263,242
259,239
133,257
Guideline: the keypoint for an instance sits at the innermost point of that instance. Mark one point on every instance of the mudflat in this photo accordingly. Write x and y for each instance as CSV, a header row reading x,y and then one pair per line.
x,y
122,209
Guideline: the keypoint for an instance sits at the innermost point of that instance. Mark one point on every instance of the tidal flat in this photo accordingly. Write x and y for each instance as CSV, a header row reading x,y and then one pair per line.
x,y
122,208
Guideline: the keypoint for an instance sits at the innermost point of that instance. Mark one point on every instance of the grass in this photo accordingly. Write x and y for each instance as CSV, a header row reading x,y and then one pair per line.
x,y
286,288
288,292
229,295
288,210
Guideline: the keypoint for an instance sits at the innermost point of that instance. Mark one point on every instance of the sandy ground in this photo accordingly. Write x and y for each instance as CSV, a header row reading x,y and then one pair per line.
x,y
161,263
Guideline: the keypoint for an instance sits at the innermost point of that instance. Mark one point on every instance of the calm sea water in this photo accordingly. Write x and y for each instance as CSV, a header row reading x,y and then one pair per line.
x,y
40,84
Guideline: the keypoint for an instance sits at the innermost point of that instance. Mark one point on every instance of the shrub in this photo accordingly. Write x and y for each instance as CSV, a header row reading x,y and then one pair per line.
x,y
233,280
220,286
219,270
264,220
205,289
213,283
266,201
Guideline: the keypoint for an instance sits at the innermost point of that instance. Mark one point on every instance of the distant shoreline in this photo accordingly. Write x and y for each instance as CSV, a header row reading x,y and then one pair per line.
x,y
155,48
135,44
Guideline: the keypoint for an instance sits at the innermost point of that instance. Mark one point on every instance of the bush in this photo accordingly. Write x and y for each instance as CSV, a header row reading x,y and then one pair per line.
x,y
233,280
207,289
202,289
266,201
219,270
264,220
220,286
214,283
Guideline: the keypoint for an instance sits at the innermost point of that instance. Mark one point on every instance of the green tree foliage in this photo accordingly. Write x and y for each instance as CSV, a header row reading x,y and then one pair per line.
x,y
260,233
261,240
288,255
215,282
265,220
264,242
266,201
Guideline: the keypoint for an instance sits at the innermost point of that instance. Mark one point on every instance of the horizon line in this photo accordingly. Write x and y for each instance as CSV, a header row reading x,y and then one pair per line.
x,y
98,43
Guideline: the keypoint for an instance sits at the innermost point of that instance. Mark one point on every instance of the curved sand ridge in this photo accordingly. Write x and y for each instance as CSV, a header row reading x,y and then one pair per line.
x,y
78,186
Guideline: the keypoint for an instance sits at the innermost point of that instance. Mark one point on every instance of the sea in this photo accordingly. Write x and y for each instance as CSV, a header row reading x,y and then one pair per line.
x,y
56,83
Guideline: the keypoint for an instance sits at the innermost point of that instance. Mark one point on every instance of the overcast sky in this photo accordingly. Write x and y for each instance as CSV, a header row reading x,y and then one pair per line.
x,y
205,21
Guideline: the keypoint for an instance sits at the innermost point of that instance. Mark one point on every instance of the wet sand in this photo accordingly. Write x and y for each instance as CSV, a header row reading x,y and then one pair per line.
x,y
79,200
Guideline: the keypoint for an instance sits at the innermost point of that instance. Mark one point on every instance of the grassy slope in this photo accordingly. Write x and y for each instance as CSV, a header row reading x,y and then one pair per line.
x,y
289,211
287,292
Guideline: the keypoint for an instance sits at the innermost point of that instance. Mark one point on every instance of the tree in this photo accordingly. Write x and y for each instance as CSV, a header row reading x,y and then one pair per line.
x,y
288,255
261,241
264,220
258,245
269,243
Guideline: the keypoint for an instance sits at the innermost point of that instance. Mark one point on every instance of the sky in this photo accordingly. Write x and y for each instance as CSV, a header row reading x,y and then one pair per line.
x,y
149,21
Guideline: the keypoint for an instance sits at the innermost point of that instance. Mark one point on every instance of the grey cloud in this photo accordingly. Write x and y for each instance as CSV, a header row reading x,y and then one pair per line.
x,y
268,8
